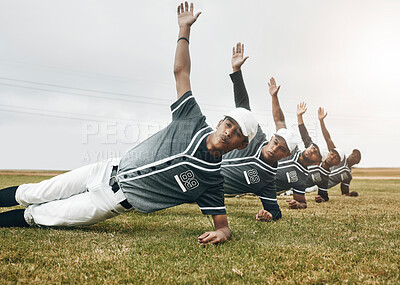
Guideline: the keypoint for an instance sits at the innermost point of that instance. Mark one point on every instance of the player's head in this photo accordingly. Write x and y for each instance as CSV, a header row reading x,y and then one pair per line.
x,y
354,157
235,131
282,143
312,155
334,157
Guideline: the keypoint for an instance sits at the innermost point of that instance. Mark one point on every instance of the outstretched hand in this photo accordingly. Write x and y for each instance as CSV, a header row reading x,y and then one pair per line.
x,y
238,57
321,114
301,108
273,90
185,15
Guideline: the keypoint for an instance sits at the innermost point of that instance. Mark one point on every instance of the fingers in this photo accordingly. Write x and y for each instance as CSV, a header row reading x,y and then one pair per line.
x,y
207,238
264,215
272,80
204,235
184,7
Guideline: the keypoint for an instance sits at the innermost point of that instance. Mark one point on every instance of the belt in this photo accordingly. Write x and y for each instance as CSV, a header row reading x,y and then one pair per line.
x,y
115,187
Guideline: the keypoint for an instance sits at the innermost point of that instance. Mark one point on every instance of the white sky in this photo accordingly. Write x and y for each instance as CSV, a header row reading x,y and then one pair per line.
x,y
83,80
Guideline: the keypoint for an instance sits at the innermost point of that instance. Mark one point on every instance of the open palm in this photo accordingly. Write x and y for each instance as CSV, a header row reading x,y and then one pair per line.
x,y
185,15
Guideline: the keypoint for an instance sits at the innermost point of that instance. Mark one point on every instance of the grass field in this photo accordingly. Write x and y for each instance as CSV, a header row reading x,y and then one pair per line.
x,y
344,241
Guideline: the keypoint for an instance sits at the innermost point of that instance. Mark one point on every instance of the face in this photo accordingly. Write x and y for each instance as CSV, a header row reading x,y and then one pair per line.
x,y
332,158
275,150
311,154
228,136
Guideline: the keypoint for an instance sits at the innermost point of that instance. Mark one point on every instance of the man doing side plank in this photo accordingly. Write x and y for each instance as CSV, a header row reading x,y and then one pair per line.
x,y
252,170
319,174
179,164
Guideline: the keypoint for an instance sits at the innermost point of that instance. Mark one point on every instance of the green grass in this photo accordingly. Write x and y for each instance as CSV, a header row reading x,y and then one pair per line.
x,y
347,240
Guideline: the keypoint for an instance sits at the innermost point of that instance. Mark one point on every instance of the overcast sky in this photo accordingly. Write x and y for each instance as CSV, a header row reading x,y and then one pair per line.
x,y
82,81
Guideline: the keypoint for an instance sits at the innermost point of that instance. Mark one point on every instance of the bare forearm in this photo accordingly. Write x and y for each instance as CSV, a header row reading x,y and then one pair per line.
x,y
300,120
326,135
301,201
182,56
221,224
277,113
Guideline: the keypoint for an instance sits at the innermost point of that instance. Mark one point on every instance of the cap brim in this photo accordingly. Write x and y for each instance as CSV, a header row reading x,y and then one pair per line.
x,y
240,124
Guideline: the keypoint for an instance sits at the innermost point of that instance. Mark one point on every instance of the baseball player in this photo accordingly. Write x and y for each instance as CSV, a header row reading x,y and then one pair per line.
x,y
179,164
342,173
292,173
319,174
253,169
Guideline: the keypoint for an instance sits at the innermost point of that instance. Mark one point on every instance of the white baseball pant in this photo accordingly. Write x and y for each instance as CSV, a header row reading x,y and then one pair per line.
x,y
79,197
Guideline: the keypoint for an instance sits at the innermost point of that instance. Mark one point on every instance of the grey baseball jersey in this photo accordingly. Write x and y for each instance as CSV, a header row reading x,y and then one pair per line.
x,y
291,174
320,177
340,174
246,172
174,166
317,175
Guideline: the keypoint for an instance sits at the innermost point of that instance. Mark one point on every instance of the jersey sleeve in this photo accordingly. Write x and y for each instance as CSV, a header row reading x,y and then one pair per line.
x,y
211,202
323,193
269,201
185,107
239,90
304,135
347,179
301,186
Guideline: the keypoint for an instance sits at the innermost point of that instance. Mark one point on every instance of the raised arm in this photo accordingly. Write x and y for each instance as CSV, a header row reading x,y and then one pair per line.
x,y
277,113
301,109
239,89
321,116
182,56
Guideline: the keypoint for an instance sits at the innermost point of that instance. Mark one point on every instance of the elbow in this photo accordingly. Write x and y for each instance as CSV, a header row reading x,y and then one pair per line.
x,y
181,70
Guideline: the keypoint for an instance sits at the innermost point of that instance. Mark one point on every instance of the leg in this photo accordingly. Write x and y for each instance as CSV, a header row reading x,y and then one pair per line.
x,y
96,205
65,185
14,218
7,197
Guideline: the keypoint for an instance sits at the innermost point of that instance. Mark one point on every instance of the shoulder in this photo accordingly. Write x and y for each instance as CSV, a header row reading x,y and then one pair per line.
x,y
185,107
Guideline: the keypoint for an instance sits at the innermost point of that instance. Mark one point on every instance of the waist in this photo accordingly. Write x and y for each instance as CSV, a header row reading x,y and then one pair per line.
x,y
115,187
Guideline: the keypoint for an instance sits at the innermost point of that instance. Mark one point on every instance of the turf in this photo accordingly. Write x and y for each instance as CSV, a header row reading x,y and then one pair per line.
x,y
344,241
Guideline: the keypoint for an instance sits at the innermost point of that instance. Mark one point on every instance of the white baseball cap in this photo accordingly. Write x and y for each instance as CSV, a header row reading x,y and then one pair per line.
x,y
289,137
324,153
340,153
246,121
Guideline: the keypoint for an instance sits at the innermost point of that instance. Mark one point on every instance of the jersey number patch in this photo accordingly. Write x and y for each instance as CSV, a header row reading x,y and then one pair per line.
x,y
316,177
292,176
251,176
186,180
